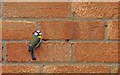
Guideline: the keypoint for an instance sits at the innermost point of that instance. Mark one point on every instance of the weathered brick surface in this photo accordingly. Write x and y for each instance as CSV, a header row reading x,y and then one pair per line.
x,y
35,1
0,68
17,30
36,9
0,51
17,52
54,52
21,69
0,30
0,39
83,30
0,9
96,52
91,27
76,69
47,52
113,30
95,9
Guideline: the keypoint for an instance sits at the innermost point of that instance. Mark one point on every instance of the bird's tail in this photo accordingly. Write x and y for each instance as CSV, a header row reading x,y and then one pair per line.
x,y
31,49
33,55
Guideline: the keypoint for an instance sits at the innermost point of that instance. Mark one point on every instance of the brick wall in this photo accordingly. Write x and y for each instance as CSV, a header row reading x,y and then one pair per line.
x,y
77,37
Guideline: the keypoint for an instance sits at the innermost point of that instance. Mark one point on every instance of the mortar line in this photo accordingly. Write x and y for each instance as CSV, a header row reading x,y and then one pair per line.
x,y
3,53
111,67
16,40
38,24
114,66
97,41
35,19
69,8
118,67
106,30
73,52
22,19
42,69
75,41
76,19
70,41
40,66
60,63
54,41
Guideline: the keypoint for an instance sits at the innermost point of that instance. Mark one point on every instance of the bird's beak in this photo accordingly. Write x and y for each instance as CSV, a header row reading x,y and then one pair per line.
x,y
39,36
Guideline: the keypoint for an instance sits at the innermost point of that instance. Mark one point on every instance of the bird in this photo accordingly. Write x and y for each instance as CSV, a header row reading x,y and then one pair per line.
x,y
35,42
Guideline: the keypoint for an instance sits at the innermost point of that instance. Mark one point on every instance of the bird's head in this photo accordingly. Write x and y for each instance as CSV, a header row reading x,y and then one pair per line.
x,y
38,34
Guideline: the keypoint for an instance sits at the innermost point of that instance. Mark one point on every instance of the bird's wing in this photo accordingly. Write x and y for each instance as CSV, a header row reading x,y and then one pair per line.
x,y
34,41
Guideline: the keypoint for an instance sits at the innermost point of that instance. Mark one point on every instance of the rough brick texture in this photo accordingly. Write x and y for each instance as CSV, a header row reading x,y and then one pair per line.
x,y
47,52
21,69
83,30
95,9
77,37
76,69
0,30
36,9
0,42
1,69
96,52
0,51
17,52
0,10
17,30
113,30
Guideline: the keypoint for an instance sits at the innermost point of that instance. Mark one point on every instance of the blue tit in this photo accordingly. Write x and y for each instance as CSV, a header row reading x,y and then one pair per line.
x,y
35,42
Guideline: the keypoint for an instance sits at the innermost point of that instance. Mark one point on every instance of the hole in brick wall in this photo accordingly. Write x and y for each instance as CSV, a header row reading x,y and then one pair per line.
x,y
43,65
2,59
67,40
2,47
45,39
73,14
105,24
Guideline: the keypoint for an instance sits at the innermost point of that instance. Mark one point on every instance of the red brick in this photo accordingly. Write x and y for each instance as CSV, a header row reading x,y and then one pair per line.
x,y
36,9
0,51
54,52
0,30
47,52
17,51
96,52
0,10
83,30
17,30
95,9
0,39
113,30
1,69
21,69
76,69
34,1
